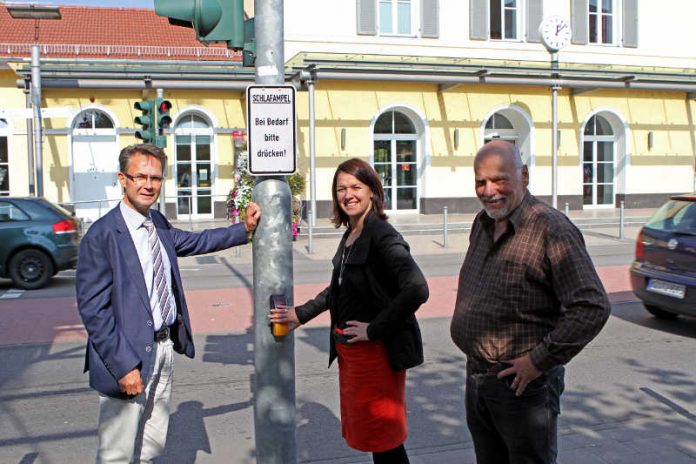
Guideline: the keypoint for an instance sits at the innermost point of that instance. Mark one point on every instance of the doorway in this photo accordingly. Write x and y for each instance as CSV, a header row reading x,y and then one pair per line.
x,y
598,167
194,166
395,158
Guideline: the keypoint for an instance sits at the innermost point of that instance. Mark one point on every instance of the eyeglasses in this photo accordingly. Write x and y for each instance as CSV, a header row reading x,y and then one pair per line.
x,y
142,180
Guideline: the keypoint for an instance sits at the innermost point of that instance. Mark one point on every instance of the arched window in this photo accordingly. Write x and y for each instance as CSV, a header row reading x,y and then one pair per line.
x,y
498,121
93,119
193,138
598,162
395,159
513,125
4,159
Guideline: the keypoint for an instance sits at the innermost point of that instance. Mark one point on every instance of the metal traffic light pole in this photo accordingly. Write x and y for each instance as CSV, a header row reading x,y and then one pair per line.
x,y
36,106
162,197
274,360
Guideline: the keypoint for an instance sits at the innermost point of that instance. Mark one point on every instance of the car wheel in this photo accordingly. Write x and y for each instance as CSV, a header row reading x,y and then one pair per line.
x,y
660,313
30,269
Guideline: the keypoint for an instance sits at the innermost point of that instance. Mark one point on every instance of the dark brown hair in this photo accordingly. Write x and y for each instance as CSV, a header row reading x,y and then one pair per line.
x,y
366,174
142,149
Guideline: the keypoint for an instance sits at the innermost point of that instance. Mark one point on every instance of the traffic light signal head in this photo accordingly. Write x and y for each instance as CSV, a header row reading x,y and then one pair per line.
x,y
163,118
164,121
213,20
249,52
146,121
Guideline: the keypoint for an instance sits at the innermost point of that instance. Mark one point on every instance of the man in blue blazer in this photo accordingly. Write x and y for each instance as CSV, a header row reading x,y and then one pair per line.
x,y
132,303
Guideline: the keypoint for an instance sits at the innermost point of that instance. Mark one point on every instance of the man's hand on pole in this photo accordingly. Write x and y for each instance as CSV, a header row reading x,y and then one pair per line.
x,y
251,220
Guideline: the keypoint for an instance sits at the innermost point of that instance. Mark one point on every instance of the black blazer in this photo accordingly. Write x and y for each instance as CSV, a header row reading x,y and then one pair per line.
x,y
397,289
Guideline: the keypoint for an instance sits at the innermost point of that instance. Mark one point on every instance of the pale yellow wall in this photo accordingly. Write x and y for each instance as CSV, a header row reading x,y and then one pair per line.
x,y
225,108
667,167
353,105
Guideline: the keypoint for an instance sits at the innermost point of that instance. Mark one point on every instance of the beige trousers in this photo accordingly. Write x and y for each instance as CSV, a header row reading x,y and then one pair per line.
x,y
135,431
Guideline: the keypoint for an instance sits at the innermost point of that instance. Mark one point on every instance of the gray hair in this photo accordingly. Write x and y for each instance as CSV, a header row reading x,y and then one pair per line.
x,y
505,149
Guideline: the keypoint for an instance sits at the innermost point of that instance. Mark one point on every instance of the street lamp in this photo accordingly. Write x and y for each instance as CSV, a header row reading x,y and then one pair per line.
x,y
35,12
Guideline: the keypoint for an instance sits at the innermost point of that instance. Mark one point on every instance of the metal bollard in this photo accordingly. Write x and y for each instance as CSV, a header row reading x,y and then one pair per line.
x,y
567,208
310,222
621,220
444,227
237,250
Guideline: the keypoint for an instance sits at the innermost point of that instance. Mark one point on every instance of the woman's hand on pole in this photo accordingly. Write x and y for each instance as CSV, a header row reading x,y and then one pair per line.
x,y
285,315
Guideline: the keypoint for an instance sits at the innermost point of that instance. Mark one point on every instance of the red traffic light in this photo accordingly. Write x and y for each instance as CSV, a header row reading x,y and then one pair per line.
x,y
164,121
165,106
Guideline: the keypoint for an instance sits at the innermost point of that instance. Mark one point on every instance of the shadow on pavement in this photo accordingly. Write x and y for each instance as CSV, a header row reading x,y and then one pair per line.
x,y
319,433
622,407
234,349
316,337
635,313
187,432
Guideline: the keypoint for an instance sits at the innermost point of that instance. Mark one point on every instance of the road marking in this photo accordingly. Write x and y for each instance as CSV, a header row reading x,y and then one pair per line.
x,y
12,293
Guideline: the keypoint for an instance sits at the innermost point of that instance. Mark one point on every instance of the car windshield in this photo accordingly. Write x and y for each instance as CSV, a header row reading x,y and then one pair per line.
x,y
676,216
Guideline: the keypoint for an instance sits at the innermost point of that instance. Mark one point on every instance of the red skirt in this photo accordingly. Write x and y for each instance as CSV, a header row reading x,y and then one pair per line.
x,y
373,398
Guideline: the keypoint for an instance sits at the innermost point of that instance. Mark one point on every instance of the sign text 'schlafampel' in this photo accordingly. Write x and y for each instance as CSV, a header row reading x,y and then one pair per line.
x,y
271,129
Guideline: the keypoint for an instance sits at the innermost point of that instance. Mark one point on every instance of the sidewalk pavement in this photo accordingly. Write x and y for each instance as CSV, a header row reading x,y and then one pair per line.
x,y
668,438
426,235
425,223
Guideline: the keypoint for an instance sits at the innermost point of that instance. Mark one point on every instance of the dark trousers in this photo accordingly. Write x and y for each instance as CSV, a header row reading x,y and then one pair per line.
x,y
507,429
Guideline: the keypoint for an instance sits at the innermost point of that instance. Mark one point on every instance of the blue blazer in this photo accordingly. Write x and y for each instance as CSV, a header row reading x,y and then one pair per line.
x,y
113,302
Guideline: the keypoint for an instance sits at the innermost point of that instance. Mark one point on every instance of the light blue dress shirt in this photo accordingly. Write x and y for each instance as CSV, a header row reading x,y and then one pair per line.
x,y
138,232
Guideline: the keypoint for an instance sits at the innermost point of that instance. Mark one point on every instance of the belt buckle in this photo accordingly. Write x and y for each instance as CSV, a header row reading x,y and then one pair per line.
x,y
162,334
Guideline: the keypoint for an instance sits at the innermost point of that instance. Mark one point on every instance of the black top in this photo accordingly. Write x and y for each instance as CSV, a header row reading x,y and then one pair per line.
x,y
381,284
352,304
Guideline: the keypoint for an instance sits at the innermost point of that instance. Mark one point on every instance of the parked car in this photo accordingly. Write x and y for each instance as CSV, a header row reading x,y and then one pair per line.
x,y
663,274
37,239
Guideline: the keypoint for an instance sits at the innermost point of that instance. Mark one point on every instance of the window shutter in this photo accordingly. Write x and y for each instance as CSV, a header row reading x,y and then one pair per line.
x,y
478,19
367,17
535,14
630,23
430,18
579,21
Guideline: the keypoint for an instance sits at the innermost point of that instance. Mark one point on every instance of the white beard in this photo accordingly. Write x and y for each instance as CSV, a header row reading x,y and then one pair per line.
x,y
496,214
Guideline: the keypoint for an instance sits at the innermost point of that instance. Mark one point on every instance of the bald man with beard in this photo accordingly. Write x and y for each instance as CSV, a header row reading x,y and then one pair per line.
x,y
528,301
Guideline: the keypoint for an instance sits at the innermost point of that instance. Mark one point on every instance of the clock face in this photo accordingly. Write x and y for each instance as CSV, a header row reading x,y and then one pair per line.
x,y
555,33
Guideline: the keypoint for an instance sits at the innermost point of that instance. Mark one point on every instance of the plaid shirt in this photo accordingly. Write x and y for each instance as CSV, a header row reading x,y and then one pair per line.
x,y
533,290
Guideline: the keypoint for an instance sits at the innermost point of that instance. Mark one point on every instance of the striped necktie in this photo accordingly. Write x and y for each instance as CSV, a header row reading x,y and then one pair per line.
x,y
158,266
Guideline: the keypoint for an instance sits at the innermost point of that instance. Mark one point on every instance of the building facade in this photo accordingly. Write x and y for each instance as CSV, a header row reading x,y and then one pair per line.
x,y
413,86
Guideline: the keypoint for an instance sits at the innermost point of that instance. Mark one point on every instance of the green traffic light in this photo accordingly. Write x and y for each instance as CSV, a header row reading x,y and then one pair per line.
x,y
146,120
213,20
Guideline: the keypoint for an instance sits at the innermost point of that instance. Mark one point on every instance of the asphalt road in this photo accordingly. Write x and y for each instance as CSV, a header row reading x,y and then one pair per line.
x,y
630,395
637,379
233,268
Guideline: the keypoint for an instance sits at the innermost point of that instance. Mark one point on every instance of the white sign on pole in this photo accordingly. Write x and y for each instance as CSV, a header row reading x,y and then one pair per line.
x,y
271,128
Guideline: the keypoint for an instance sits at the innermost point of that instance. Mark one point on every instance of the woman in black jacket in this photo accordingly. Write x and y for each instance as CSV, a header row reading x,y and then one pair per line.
x,y
376,288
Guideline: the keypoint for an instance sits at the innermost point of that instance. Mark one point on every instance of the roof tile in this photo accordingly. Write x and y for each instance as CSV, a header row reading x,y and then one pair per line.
x,y
86,26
